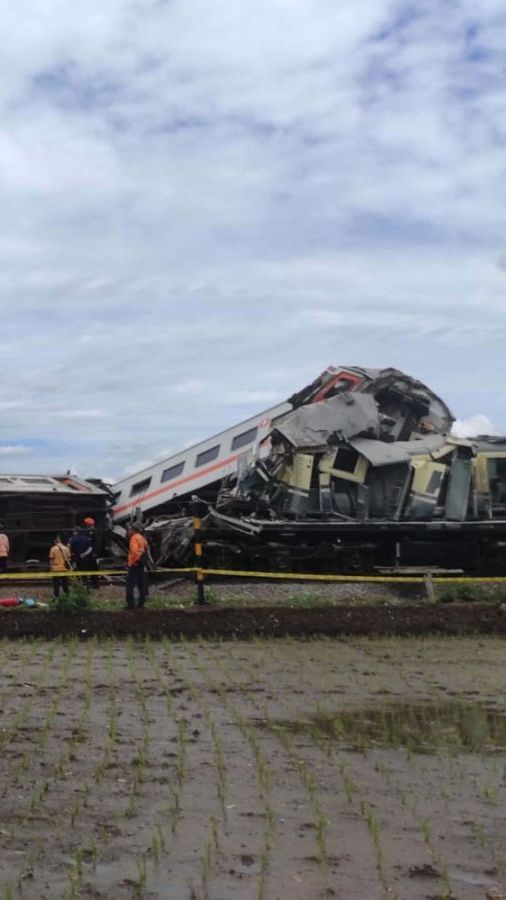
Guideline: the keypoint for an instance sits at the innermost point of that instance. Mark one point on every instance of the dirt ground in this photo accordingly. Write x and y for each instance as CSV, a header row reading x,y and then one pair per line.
x,y
243,593
353,768
256,608
235,592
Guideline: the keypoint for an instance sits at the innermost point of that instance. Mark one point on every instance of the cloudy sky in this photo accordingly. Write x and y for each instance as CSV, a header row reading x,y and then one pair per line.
x,y
206,202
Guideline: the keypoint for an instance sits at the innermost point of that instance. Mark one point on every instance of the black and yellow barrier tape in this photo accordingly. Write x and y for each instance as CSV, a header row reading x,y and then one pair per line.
x,y
279,576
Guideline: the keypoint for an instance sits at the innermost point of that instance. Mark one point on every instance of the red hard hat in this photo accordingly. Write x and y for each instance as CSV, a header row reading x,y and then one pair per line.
x,y
89,521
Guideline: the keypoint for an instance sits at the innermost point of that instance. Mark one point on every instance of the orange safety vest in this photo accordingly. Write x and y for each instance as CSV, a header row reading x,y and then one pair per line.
x,y
137,546
59,558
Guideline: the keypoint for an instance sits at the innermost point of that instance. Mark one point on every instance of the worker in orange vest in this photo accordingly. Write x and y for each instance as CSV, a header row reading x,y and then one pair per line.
x,y
59,561
137,561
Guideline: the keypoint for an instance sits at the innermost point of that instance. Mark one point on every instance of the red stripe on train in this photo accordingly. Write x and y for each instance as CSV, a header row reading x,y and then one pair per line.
x,y
173,484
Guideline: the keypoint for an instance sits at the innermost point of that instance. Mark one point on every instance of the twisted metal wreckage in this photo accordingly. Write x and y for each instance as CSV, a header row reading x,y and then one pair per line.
x,y
357,470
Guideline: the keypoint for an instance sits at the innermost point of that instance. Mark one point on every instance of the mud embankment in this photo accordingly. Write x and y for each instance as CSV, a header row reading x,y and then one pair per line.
x,y
281,621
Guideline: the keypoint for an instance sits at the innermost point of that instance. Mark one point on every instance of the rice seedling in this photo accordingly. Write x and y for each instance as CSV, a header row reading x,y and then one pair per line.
x,y
263,721
157,843
490,794
374,826
262,771
218,748
75,876
479,833
22,710
300,765
208,856
175,788
140,883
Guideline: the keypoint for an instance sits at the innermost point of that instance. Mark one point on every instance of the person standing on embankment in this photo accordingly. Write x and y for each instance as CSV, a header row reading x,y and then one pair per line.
x,y
137,561
4,550
59,561
91,558
81,550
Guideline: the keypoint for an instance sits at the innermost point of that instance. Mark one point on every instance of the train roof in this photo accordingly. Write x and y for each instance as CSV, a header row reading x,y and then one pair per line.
x,y
48,484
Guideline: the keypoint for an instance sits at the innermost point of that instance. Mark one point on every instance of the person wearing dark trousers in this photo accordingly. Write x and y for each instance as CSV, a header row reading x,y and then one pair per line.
x,y
83,557
4,550
91,559
59,561
136,573
80,548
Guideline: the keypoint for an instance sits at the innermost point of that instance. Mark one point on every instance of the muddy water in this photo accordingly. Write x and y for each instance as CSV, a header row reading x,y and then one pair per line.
x,y
138,769
450,726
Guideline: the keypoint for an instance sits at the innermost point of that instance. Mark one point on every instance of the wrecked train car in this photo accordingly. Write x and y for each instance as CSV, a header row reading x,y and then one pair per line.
x,y
165,488
34,508
358,470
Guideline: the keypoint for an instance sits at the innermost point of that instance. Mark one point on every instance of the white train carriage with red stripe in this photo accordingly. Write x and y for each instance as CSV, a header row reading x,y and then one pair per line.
x,y
197,470
166,485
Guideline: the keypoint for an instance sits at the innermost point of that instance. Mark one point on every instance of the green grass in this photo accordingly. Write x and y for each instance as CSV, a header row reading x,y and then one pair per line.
x,y
472,593
77,600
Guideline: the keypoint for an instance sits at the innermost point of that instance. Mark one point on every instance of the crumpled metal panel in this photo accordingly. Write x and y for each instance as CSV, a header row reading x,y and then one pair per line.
x,y
379,453
314,427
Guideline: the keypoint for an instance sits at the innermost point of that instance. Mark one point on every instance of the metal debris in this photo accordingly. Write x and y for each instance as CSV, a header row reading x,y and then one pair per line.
x,y
362,471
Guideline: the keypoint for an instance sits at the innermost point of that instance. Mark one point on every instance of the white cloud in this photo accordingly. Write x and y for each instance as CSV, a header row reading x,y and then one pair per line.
x,y
473,426
15,450
138,466
79,414
203,205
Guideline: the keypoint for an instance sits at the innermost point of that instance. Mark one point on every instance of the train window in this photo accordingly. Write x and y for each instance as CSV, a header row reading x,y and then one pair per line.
x,y
207,455
140,487
115,497
172,472
434,483
36,480
247,437
497,479
346,459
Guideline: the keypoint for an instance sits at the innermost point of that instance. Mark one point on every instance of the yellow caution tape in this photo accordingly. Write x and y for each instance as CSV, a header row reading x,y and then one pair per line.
x,y
280,576
394,579
17,576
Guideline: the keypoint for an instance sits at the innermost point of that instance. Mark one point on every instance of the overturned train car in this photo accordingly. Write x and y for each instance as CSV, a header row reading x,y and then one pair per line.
x,y
34,508
356,471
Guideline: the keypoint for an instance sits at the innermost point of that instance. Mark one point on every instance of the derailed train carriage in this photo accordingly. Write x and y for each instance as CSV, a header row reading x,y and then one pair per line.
x,y
34,508
356,471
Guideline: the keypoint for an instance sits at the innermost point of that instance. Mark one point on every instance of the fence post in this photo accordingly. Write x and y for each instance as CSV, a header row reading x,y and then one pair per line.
x,y
197,550
429,587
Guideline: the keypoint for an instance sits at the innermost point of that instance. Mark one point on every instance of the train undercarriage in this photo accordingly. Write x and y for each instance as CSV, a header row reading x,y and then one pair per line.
x,y
477,548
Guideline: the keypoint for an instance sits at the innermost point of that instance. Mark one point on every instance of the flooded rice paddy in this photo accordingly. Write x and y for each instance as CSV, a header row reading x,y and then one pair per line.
x,y
356,769
423,727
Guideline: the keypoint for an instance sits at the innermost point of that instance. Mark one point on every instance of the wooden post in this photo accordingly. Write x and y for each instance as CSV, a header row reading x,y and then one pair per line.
x,y
429,587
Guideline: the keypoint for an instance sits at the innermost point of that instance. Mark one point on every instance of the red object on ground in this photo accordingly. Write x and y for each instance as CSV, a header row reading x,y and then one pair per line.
x,y
9,601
